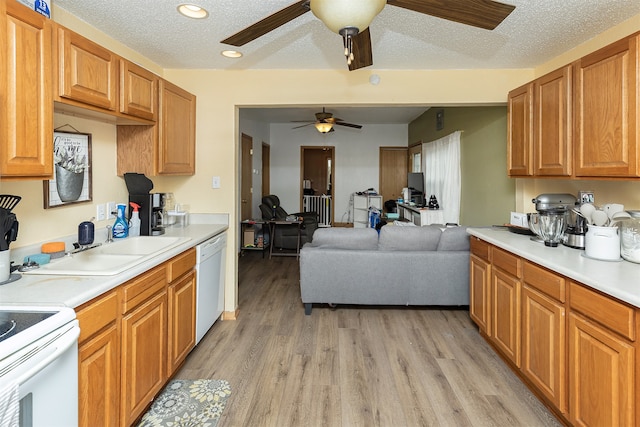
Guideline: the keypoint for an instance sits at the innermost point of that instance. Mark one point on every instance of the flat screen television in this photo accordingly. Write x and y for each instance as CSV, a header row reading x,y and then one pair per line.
x,y
415,180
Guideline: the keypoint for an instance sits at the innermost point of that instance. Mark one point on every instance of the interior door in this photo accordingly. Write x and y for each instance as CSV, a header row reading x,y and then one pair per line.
x,y
393,172
246,185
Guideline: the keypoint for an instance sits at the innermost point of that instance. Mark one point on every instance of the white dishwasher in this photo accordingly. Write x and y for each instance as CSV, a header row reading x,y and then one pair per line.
x,y
210,268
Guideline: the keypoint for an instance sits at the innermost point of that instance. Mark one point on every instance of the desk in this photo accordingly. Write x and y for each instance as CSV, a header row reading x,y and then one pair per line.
x,y
421,216
282,223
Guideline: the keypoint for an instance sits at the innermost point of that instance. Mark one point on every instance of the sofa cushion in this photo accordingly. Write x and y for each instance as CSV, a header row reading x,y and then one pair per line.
x,y
345,238
454,239
394,238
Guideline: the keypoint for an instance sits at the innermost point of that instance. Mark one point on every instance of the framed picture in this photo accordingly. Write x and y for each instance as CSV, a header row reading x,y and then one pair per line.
x,y
71,181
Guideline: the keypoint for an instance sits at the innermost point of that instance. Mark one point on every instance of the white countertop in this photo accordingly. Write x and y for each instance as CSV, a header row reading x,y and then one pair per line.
x,y
73,291
618,279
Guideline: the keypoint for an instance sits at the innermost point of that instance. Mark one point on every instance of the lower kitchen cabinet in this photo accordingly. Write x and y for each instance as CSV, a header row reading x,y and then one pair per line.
x,y
182,320
479,298
505,314
575,347
99,379
144,346
601,376
543,345
99,362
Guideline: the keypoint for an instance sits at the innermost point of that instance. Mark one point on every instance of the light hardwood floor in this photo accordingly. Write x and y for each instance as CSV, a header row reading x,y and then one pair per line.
x,y
354,366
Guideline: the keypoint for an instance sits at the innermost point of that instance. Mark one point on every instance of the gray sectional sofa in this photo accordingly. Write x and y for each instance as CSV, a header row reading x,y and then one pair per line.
x,y
402,266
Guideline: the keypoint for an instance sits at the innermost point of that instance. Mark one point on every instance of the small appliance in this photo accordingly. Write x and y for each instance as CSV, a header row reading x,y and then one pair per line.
x,y
553,210
152,209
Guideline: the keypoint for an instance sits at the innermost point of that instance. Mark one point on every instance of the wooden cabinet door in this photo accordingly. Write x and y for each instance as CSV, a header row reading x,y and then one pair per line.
x,y
138,91
88,73
520,132
480,300
182,320
99,379
543,345
552,120
601,387
505,314
177,141
26,128
144,347
606,134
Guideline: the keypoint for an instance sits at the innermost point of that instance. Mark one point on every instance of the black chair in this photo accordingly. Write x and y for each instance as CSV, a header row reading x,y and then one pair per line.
x,y
287,237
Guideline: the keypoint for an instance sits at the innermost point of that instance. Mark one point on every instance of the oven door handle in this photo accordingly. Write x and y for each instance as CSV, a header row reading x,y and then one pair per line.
x,y
31,365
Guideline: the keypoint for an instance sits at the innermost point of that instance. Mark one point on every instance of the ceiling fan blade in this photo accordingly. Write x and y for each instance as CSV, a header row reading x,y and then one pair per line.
x,y
361,48
351,125
308,124
485,14
269,23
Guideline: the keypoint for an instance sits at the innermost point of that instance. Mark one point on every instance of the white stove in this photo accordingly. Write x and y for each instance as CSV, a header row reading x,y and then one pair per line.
x,y
39,365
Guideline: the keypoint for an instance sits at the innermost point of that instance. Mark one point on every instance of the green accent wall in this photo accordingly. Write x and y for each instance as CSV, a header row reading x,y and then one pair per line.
x,y
488,194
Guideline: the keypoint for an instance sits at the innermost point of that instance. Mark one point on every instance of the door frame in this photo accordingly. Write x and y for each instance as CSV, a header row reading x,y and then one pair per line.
x,y
332,181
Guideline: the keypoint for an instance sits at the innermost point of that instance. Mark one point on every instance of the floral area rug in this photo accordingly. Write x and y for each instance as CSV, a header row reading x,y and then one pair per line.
x,y
188,403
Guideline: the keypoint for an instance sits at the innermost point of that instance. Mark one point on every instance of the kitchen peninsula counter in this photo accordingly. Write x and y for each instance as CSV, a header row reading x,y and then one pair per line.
x,y
73,291
617,279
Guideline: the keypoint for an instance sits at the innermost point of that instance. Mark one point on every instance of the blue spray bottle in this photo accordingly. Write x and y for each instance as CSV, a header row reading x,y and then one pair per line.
x,y
120,226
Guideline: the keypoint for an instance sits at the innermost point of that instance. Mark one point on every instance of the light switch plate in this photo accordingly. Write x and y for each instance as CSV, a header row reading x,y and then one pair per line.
x,y
215,182
101,212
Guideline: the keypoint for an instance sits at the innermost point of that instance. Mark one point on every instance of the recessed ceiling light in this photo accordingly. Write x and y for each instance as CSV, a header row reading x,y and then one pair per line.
x,y
192,11
231,53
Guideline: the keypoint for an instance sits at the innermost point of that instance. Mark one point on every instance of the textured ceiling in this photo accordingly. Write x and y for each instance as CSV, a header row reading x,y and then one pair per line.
x,y
535,32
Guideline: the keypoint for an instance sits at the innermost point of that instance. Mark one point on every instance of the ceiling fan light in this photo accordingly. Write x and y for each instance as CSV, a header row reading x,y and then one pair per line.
x,y
338,14
324,127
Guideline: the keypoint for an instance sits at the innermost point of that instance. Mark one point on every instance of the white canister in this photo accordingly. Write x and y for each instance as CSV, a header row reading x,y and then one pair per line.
x,y
602,243
5,265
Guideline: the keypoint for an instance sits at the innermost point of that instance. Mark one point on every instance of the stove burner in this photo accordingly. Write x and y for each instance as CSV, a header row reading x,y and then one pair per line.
x,y
6,328
13,322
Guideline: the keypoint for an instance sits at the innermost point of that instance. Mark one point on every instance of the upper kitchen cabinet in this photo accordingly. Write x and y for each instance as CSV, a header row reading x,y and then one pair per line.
x,y
87,72
606,98
26,141
540,126
520,131
166,148
138,91
552,123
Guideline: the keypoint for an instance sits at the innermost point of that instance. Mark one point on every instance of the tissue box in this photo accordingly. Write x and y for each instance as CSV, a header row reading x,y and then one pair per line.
x,y
43,7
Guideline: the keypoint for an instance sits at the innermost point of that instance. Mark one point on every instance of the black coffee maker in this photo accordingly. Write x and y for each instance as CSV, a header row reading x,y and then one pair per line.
x,y
152,209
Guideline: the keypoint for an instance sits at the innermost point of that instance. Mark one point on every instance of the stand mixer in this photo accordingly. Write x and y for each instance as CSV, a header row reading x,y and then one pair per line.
x,y
553,215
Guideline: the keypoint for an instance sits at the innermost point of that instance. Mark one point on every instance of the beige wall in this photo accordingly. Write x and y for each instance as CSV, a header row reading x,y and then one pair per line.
x,y
219,94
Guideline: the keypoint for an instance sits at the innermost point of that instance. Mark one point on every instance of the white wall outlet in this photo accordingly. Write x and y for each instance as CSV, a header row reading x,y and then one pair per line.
x,y
101,214
111,209
215,182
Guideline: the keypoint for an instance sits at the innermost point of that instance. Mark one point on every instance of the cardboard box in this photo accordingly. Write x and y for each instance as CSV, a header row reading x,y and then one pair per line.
x,y
248,238
43,7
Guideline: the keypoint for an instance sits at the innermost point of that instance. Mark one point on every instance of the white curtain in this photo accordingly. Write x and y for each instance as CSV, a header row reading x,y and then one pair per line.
x,y
441,168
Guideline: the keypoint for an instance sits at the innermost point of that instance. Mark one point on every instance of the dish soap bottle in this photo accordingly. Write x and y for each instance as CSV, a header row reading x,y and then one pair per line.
x,y
120,227
134,222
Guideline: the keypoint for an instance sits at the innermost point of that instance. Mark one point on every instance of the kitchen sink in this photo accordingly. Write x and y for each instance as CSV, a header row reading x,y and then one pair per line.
x,y
139,245
110,258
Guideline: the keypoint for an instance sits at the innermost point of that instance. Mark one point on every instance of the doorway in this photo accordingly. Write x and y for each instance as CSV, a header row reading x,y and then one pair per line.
x,y
317,184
